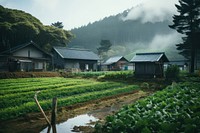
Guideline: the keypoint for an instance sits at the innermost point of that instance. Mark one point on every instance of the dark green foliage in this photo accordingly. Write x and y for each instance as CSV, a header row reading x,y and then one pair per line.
x,y
18,27
105,45
187,23
120,33
170,110
172,72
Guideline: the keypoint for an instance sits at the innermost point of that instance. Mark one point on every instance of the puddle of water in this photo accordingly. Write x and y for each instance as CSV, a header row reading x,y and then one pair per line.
x,y
67,126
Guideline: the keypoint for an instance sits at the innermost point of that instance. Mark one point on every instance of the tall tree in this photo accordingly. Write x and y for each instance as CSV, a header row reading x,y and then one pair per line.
x,y
188,24
18,27
58,24
105,45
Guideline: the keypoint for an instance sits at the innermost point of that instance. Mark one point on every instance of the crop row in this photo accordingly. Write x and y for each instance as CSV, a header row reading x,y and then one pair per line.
x,y
13,112
175,109
18,104
39,86
22,83
20,98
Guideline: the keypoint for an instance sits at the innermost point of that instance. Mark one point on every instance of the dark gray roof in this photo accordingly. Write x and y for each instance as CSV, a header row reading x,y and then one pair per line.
x,y
179,62
113,60
18,47
72,53
149,57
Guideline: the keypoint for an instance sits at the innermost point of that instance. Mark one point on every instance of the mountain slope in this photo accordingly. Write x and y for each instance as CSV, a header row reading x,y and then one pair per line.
x,y
127,36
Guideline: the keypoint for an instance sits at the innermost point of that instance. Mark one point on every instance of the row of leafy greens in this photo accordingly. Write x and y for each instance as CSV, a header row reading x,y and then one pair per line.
x,y
175,109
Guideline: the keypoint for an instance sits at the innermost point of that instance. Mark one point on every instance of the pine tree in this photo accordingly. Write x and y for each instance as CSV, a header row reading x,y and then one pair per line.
x,y
188,24
105,45
58,24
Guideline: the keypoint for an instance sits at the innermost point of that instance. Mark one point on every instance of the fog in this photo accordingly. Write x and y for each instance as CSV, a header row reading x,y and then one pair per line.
x,y
159,43
153,11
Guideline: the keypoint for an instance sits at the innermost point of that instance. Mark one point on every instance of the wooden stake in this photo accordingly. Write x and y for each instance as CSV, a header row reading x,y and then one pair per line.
x,y
38,104
53,114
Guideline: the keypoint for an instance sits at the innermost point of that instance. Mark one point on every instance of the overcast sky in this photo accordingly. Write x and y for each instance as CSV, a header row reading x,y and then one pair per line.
x,y
75,13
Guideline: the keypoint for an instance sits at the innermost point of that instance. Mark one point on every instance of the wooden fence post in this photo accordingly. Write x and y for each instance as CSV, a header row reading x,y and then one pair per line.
x,y
53,114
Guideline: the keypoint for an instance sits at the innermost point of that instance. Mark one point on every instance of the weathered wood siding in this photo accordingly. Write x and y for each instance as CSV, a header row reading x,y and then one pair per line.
x,y
148,69
29,51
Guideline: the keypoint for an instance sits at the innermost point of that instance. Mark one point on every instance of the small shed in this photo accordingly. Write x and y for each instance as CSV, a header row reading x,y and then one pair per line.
x,y
116,63
149,65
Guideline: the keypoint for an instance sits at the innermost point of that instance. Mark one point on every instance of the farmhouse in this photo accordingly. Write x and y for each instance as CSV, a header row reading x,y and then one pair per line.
x,y
25,57
149,65
182,64
116,63
73,59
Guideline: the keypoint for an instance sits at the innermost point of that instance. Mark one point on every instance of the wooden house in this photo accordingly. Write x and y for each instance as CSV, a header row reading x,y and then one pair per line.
x,y
25,57
149,65
116,63
182,64
73,59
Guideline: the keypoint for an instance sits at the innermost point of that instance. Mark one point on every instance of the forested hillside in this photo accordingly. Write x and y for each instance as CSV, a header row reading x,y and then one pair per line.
x,y
127,36
18,27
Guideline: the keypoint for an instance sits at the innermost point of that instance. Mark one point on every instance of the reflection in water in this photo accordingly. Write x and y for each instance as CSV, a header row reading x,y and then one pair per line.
x,y
67,126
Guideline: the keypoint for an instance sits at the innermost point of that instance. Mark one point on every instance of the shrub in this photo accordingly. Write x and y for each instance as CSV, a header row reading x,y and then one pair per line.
x,y
7,75
119,75
144,85
172,73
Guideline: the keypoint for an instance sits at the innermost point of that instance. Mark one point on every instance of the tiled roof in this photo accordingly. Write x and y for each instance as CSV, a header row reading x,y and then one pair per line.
x,y
149,57
70,53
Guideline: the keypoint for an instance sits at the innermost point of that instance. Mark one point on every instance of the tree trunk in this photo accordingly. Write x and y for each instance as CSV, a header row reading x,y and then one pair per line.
x,y
192,61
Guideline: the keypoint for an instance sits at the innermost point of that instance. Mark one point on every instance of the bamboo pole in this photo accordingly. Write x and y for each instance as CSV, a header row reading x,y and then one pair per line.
x,y
38,104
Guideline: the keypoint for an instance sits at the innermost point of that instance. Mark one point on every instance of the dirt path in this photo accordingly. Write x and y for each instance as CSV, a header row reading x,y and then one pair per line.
x,y
34,123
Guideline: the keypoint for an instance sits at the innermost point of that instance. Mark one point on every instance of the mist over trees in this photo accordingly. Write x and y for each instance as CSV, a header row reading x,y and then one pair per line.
x,y
126,36
105,46
188,24
18,27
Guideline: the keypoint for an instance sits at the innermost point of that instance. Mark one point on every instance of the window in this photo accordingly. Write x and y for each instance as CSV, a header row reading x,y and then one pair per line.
x,y
38,65
86,66
29,53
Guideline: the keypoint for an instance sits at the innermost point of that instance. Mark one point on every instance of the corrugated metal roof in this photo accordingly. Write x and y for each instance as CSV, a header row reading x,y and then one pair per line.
x,y
149,57
72,53
112,60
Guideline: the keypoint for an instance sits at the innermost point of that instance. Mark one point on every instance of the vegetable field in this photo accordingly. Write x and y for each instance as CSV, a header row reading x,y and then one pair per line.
x,y
17,95
174,109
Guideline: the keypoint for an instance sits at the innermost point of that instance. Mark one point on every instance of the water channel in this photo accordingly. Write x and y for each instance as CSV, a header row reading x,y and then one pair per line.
x,y
80,120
